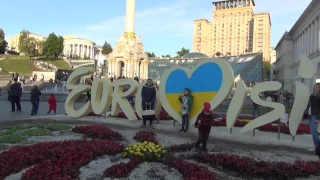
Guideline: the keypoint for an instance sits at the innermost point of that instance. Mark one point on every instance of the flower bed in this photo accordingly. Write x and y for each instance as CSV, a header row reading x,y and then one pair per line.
x,y
182,147
146,151
302,129
54,159
98,131
190,171
122,170
248,166
148,136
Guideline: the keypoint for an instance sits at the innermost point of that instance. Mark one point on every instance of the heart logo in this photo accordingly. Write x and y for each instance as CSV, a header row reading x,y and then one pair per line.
x,y
210,81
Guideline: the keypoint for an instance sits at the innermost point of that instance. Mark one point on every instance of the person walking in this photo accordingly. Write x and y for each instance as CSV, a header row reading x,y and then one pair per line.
x,y
15,92
313,114
35,99
186,105
204,123
52,104
8,90
255,109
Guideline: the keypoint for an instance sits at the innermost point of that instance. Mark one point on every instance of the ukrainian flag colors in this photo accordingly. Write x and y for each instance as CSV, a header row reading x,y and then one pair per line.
x,y
204,84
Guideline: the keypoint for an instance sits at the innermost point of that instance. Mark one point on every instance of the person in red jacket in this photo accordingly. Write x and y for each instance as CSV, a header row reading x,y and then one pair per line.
x,y
203,123
52,104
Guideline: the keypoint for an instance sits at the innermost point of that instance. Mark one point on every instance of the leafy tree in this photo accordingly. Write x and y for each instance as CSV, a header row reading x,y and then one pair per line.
x,y
267,66
151,54
23,42
168,55
182,52
2,35
3,43
218,54
106,48
40,47
53,45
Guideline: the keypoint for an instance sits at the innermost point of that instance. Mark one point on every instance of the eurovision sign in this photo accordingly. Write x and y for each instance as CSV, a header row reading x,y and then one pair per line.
x,y
210,81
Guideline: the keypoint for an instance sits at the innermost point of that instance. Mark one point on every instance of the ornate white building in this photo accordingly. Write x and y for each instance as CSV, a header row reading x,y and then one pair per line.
x,y
128,58
78,47
302,39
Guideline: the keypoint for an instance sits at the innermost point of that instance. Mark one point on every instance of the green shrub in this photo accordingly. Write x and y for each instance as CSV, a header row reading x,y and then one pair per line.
x,y
36,132
58,127
12,139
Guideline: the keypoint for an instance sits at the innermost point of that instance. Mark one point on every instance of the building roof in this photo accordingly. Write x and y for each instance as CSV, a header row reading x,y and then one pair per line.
x,y
232,1
248,67
305,12
195,55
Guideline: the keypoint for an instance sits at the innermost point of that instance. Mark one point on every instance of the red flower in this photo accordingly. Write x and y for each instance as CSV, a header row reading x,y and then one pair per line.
x,y
98,131
148,136
55,160
122,170
190,171
248,166
182,147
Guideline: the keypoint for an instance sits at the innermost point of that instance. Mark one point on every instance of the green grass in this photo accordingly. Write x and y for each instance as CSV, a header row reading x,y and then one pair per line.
x,y
23,64
58,127
19,65
61,64
13,139
36,132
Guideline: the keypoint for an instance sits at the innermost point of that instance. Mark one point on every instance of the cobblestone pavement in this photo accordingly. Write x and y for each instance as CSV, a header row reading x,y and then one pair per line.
x,y
6,114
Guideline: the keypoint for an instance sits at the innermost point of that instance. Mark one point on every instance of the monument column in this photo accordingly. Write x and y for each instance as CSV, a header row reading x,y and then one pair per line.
x,y
130,19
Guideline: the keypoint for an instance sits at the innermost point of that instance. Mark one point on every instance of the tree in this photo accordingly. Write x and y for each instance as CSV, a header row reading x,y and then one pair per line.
x,y
40,47
151,54
106,48
182,52
24,41
267,66
3,42
218,54
53,45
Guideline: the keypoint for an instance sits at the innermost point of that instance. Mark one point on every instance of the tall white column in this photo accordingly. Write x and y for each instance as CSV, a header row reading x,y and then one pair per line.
x,y
130,15
312,39
317,35
308,41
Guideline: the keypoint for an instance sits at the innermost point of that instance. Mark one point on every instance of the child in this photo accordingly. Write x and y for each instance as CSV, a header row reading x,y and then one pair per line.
x,y
203,123
186,105
52,104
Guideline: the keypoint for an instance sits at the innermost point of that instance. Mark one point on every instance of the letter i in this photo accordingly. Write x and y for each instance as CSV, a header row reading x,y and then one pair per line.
x,y
236,104
306,71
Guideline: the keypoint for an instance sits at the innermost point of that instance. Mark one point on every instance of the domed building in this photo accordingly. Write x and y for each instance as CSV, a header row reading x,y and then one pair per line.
x,y
78,48
194,55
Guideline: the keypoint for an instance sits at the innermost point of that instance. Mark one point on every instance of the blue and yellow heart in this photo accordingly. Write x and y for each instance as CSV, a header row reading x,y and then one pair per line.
x,y
204,84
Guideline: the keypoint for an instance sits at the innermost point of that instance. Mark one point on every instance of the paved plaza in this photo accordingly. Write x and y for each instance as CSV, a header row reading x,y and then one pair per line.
x,y
6,114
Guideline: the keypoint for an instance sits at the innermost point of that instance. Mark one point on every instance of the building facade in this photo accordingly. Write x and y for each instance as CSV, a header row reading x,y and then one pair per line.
x,y
13,42
128,58
76,48
234,30
302,39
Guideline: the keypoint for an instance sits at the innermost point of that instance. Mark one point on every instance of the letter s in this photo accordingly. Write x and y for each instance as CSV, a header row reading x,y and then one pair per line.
x,y
77,90
278,111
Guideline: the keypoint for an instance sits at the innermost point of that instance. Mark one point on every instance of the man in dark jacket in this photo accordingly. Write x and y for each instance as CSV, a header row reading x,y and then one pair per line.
x,y
15,92
148,95
203,123
35,99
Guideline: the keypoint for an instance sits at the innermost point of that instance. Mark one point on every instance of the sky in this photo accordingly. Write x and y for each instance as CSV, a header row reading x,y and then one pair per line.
x,y
165,26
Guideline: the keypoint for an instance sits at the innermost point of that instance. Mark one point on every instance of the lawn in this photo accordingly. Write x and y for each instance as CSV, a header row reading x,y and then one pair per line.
x,y
23,65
